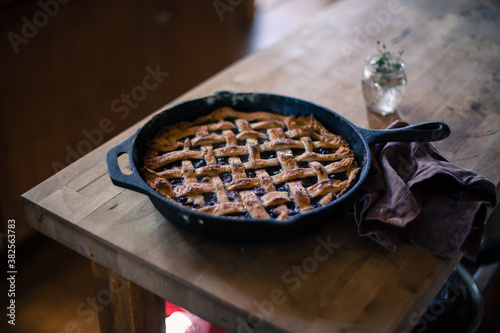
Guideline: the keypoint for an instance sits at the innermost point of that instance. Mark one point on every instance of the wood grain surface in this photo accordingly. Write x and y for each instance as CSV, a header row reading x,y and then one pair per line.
x,y
330,280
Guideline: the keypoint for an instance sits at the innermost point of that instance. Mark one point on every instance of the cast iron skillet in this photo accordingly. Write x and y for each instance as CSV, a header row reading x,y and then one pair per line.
x,y
241,229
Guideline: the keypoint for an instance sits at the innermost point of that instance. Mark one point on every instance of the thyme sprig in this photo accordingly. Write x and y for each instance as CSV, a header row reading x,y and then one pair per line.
x,y
388,61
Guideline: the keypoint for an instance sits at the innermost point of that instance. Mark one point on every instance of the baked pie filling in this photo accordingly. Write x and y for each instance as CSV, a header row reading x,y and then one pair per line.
x,y
249,164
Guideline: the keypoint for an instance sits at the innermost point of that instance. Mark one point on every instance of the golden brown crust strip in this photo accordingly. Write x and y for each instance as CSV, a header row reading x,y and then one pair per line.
x,y
284,135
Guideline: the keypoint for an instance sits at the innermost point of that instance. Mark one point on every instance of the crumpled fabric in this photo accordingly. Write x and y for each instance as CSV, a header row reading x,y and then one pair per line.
x,y
412,192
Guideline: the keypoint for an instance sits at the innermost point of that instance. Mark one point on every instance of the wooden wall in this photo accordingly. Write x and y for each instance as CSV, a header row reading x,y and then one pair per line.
x,y
76,73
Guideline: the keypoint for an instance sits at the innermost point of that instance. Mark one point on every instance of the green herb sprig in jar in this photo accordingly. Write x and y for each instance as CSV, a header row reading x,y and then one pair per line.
x,y
388,61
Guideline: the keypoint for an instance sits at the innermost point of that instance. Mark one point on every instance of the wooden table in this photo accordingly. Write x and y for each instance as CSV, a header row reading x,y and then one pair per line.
x,y
332,279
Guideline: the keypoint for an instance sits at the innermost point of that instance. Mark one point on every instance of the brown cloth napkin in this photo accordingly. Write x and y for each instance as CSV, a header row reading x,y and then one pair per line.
x,y
413,192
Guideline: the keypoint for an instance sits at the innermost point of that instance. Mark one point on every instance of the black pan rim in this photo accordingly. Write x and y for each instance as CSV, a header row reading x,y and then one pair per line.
x,y
135,159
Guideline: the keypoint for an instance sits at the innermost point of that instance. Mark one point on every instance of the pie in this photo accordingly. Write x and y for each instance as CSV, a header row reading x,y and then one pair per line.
x,y
249,164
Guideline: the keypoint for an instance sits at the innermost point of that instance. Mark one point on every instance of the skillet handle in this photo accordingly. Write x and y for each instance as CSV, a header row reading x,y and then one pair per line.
x,y
425,132
132,181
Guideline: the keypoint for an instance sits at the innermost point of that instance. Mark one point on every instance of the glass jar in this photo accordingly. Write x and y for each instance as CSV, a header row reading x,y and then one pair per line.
x,y
383,87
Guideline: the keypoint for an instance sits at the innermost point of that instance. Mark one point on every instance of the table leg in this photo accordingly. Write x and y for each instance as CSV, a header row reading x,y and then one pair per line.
x,y
124,306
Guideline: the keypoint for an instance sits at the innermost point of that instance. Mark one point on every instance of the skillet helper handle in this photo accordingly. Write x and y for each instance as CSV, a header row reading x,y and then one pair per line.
x,y
425,132
131,181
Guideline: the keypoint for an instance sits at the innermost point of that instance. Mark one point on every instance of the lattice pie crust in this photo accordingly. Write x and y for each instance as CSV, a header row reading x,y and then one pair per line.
x,y
249,164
